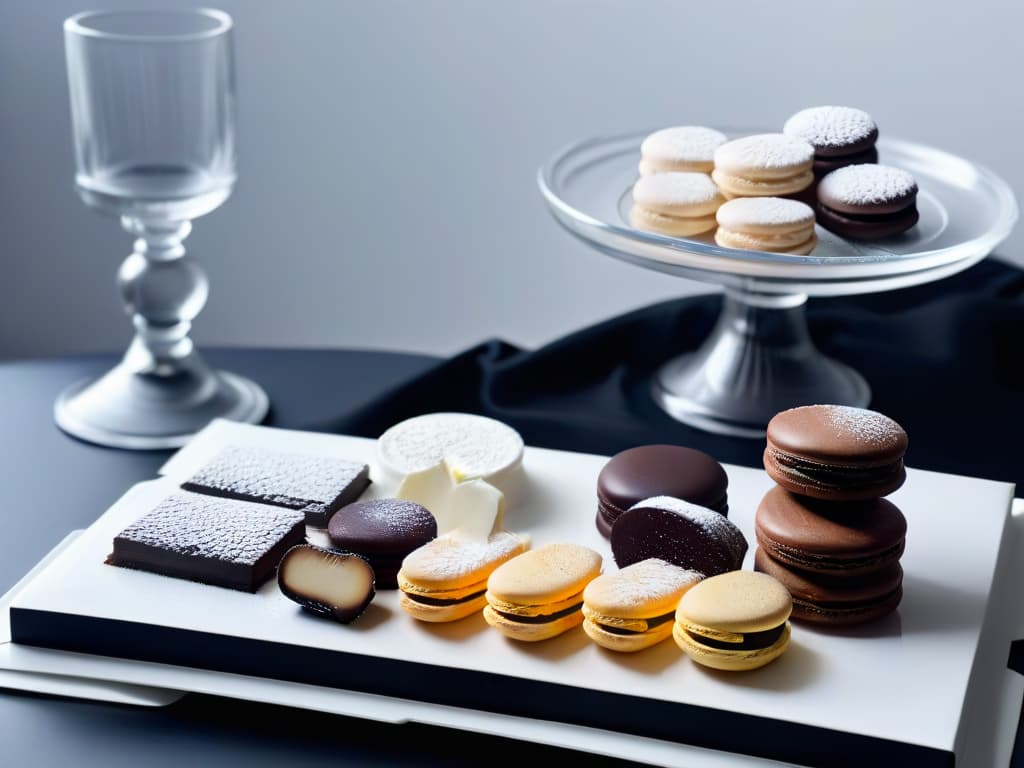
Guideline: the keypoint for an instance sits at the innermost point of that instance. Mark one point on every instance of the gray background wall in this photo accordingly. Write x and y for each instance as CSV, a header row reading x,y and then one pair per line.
x,y
388,151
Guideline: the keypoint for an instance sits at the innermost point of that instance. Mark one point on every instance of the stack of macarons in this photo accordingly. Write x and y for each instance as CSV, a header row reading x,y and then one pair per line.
x,y
825,530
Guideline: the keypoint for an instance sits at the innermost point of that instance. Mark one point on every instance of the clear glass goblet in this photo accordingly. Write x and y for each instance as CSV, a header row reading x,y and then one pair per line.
x,y
152,114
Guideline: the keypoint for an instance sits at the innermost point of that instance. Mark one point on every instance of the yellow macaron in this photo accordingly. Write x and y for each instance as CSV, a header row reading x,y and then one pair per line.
x,y
734,621
764,165
774,224
445,579
633,608
679,204
539,594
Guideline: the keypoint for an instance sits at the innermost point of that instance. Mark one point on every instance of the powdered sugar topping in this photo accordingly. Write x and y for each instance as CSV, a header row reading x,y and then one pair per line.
x,y
742,212
683,144
675,188
775,151
863,426
867,184
716,525
451,556
831,126
642,582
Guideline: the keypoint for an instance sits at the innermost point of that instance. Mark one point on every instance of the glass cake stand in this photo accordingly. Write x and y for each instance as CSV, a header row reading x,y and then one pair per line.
x,y
760,359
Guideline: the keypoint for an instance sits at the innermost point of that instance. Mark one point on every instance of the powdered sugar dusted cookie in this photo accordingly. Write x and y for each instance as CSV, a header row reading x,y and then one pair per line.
x,y
675,204
868,201
763,165
840,136
680,148
633,608
771,224
445,579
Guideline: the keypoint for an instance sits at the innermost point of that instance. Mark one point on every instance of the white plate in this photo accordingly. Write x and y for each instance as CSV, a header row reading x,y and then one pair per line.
x,y
860,688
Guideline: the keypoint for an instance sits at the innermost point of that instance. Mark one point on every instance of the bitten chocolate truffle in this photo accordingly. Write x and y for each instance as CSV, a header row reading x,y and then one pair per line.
x,y
659,470
337,585
316,485
222,542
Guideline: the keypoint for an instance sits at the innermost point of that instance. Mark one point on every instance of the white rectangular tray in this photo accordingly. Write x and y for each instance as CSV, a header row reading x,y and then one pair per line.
x,y
858,690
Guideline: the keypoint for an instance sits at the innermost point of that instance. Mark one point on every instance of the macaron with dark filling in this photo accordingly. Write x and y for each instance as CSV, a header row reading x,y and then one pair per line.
x,y
384,531
836,600
735,621
659,470
835,452
686,535
826,537
867,201
840,136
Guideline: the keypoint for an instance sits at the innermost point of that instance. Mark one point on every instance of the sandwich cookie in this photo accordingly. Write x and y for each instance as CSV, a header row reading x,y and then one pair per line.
x,y
867,202
337,585
633,608
835,452
674,203
384,531
840,136
473,446
774,224
684,534
764,165
539,594
736,621
639,473
680,148
828,537
836,600
445,579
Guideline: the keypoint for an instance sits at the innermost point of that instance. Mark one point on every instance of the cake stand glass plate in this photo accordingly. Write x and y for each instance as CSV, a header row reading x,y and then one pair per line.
x,y
759,359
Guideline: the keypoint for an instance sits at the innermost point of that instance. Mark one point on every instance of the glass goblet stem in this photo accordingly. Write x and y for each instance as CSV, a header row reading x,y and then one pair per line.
x,y
164,289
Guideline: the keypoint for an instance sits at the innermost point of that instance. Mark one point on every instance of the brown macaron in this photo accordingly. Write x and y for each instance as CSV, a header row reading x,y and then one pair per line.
x,y
645,471
835,452
830,538
836,601
867,201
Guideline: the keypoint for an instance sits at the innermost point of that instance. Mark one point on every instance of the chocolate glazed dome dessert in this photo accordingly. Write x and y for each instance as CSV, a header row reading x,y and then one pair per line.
x,y
659,470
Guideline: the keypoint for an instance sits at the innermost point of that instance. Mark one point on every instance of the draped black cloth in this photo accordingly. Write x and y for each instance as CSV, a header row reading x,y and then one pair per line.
x,y
945,360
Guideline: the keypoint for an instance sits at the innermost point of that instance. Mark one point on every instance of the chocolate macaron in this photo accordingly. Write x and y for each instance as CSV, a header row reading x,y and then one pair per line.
x,y
683,534
836,600
659,470
835,452
384,531
829,538
867,201
840,136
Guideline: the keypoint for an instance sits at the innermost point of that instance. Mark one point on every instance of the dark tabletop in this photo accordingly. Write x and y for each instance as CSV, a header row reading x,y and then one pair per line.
x,y
54,484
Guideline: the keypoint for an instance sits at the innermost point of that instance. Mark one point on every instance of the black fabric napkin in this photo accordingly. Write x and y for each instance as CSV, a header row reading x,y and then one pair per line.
x,y
945,360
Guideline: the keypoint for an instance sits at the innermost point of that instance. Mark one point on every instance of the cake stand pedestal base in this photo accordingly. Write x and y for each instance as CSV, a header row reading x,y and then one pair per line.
x,y
758,360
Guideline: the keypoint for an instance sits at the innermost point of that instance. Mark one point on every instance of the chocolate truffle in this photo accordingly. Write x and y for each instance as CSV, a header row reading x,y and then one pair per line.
x,y
384,531
338,585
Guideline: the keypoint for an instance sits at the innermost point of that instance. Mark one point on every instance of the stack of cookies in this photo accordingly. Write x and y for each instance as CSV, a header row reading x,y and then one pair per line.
x,y
825,530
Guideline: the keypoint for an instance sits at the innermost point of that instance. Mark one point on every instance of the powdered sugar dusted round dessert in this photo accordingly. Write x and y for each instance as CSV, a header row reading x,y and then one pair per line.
x,y
833,130
864,426
753,214
638,586
474,446
680,148
684,534
764,155
450,558
867,184
677,193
